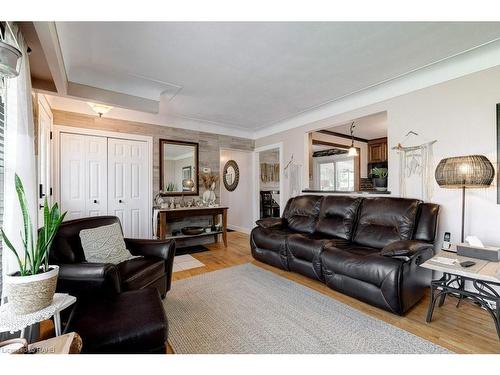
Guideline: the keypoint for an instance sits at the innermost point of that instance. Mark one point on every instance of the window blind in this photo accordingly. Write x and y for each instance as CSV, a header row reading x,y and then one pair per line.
x,y
2,137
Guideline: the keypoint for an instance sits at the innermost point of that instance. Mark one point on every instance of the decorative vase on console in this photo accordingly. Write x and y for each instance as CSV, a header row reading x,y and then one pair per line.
x,y
209,182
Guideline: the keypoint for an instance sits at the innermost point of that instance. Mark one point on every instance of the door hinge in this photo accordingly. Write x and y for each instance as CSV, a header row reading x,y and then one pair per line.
x,y
50,191
50,135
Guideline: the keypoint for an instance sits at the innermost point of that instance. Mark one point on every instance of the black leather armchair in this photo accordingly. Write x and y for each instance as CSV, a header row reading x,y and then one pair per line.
x,y
152,269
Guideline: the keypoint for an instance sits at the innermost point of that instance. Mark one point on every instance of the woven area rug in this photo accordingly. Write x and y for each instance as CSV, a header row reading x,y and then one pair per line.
x,y
246,309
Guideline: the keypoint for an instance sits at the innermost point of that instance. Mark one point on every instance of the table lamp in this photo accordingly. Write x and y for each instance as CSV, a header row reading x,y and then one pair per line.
x,y
461,172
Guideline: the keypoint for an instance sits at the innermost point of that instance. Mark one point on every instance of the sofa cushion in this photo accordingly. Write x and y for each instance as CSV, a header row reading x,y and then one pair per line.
x,y
427,222
302,213
385,220
304,253
362,263
139,272
306,247
337,216
269,246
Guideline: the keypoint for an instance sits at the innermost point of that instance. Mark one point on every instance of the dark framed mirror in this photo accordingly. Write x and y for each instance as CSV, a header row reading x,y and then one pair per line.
x,y
231,175
178,168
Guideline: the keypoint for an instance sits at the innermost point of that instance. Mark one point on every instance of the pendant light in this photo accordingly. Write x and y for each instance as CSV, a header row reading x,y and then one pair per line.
x,y
352,150
10,59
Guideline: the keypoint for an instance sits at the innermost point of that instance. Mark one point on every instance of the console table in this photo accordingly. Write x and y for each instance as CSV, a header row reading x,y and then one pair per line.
x,y
482,277
186,212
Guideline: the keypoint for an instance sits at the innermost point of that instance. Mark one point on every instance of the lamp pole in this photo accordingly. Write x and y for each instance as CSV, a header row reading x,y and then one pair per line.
x,y
463,211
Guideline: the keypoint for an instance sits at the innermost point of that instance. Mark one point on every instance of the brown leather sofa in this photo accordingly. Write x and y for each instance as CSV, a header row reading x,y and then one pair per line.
x,y
118,308
368,248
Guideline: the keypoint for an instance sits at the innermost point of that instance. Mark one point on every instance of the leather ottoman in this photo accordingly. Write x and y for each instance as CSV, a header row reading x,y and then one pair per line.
x,y
130,322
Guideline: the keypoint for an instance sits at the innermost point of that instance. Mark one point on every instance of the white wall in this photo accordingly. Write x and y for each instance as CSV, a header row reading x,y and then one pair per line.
x,y
460,114
239,201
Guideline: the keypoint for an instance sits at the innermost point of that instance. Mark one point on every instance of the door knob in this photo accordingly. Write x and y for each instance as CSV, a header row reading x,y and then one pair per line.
x,y
95,200
120,201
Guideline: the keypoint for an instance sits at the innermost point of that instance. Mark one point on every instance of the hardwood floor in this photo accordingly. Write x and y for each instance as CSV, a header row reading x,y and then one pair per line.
x,y
468,329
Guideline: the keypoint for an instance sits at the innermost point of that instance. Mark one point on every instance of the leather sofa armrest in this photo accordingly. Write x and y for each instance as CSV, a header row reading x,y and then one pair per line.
x,y
270,222
164,249
83,278
406,248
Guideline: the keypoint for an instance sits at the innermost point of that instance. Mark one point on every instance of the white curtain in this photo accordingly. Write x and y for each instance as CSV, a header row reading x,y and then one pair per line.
x,y
19,153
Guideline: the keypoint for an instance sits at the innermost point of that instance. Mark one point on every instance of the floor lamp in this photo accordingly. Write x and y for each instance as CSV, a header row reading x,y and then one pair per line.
x,y
463,172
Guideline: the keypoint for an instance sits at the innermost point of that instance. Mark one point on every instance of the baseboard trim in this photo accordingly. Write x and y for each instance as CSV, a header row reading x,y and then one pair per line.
x,y
239,229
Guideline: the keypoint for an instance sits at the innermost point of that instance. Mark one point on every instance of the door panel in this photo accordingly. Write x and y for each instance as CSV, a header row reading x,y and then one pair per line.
x,y
72,159
105,176
44,156
83,161
96,171
128,184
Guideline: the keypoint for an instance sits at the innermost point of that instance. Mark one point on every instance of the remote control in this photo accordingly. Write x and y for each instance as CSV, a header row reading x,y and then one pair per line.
x,y
467,263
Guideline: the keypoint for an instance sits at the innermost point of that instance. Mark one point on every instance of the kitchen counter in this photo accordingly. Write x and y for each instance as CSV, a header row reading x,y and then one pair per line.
x,y
362,192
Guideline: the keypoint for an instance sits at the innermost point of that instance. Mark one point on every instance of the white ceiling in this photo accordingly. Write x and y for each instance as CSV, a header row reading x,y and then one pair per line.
x,y
368,127
252,75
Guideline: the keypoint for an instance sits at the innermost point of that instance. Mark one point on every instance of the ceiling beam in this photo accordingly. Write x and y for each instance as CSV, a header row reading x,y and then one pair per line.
x,y
340,135
112,98
47,34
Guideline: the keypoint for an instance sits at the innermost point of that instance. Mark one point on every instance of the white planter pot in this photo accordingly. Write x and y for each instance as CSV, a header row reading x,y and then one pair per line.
x,y
28,294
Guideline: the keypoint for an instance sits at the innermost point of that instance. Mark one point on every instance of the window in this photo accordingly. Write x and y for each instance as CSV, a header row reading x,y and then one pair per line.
x,y
337,175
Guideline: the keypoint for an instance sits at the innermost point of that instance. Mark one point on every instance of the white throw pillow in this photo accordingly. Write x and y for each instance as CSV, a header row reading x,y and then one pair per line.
x,y
104,244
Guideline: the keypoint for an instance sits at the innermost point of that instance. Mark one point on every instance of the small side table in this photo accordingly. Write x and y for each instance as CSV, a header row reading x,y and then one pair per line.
x,y
482,277
13,322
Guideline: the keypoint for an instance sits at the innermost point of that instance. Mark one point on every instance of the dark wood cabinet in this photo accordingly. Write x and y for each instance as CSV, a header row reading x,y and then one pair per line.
x,y
377,150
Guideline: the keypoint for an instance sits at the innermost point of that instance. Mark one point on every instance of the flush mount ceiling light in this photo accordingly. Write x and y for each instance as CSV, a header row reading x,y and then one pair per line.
x,y
100,109
352,150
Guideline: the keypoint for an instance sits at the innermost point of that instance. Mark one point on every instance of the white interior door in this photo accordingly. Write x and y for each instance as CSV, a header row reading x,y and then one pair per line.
x,y
44,159
128,185
83,175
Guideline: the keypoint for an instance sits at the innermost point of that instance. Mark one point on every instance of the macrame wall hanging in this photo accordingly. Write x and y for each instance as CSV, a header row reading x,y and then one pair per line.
x,y
293,172
416,167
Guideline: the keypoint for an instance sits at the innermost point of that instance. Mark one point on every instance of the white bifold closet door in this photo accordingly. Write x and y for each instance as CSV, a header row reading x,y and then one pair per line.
x,y
84,175
128,184
105,176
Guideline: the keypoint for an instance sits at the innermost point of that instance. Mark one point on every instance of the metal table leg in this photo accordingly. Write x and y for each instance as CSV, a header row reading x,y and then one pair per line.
x,y
57,323
483,294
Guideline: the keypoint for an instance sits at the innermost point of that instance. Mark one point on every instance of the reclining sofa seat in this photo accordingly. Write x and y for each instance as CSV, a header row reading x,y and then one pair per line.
x,y
368,248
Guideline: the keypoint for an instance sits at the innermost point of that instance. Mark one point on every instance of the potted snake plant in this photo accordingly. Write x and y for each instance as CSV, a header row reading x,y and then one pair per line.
x,y
32,288
379,179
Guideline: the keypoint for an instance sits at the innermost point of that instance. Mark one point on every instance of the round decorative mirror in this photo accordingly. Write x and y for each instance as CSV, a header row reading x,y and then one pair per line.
x,y
231,175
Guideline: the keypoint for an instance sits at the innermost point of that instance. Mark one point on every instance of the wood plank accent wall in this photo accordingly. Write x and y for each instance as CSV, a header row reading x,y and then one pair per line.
x,y
209,149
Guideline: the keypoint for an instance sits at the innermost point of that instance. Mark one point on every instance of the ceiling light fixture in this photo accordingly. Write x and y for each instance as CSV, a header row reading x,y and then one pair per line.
x,y
10,59
100,109
352,150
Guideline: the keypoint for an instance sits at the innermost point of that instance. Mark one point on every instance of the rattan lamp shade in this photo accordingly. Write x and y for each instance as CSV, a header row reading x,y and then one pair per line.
x,y
473,171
